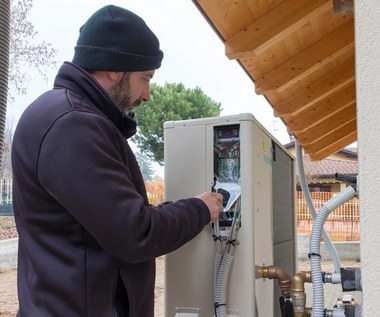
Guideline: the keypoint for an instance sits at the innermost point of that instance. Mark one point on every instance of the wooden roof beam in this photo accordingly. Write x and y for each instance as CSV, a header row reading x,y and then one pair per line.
x,y
332,137
325,86
326,126
309,60
322,110
267,30
334,147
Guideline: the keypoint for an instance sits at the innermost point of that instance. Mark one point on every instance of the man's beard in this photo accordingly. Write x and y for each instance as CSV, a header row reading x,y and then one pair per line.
x,y
121,95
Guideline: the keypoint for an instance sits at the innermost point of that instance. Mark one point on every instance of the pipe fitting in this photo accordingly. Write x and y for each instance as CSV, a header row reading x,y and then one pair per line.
x,y
298,293
275,272
299,280
306,312
333,278
299,303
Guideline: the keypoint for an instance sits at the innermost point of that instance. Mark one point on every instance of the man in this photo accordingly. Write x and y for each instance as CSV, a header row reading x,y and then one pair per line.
x,y
88,238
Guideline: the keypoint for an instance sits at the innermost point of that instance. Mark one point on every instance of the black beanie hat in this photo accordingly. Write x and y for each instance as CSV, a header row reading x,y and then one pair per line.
x,y
115,39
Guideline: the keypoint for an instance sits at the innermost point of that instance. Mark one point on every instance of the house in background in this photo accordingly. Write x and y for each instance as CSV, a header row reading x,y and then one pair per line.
x,y
343,224
321,175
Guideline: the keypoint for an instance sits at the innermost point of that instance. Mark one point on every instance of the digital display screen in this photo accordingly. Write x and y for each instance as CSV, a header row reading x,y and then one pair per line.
x,y
228,132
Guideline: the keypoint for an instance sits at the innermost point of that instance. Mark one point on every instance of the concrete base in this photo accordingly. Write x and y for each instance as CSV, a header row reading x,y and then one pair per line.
x,y
347,251
8,254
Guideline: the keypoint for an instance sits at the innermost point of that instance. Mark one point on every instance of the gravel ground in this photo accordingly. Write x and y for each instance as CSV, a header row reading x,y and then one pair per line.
x,y
7,227
8,294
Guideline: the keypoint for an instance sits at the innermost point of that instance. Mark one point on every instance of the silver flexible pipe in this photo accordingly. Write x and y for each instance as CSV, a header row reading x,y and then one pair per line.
x,y
222,268
305,189
217,263
218,258
4,65
315,247
222,285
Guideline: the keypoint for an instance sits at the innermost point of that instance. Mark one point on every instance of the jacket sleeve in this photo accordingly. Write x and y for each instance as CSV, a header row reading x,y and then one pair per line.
x,y
81,165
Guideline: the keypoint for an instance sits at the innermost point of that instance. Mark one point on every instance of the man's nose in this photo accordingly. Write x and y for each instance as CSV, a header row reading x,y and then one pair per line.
x,y
145,96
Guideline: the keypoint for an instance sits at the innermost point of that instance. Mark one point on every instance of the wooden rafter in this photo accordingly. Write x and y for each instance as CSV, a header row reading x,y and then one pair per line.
x,y
314,57
322,110
322,88
334,146
264,32
301,56
328,139
327,126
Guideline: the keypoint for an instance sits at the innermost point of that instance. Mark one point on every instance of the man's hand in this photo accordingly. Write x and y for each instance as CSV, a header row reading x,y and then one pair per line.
x,y
214,202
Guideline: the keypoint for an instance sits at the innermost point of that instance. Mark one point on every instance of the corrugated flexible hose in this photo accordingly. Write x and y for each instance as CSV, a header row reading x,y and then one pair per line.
x,y
4,65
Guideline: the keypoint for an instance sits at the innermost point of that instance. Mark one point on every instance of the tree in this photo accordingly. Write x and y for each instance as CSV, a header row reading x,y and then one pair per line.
x,y
6,166
145,166
24,53
170,102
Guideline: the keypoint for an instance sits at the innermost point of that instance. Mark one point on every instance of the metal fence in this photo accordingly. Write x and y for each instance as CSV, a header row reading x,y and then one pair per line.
x,y
6,204
343,224
155,192
6,191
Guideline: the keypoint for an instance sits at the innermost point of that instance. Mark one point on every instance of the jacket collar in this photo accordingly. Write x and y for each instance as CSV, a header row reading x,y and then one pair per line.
x,y
75,78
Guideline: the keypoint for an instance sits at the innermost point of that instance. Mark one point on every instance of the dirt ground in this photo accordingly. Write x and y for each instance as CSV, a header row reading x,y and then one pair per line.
x,y
8,292
8,296
9,303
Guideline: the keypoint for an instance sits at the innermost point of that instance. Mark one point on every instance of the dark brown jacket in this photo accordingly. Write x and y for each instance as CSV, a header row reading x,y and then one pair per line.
x,y
87,235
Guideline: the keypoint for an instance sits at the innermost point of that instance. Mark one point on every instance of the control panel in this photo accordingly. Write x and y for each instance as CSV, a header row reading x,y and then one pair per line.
x,y
227,179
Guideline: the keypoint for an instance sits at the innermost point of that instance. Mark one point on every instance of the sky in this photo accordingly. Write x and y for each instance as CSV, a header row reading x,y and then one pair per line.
x,y
193,53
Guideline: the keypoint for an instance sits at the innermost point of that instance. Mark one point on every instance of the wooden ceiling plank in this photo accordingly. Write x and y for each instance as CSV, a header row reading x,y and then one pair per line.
x,y
334,147
322,88
322,110
327,126
333,137
263,40
314,57
225,19
267,30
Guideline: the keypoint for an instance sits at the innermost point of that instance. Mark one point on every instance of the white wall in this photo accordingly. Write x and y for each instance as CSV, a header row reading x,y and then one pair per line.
x,y
367,28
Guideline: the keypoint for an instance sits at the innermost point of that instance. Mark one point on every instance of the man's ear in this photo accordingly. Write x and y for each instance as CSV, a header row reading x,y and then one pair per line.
x,y
115,76
108,80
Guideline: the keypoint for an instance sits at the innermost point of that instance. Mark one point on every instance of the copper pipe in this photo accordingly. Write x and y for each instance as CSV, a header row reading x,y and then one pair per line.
x,y
299,281
298,294
274,272
308,311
